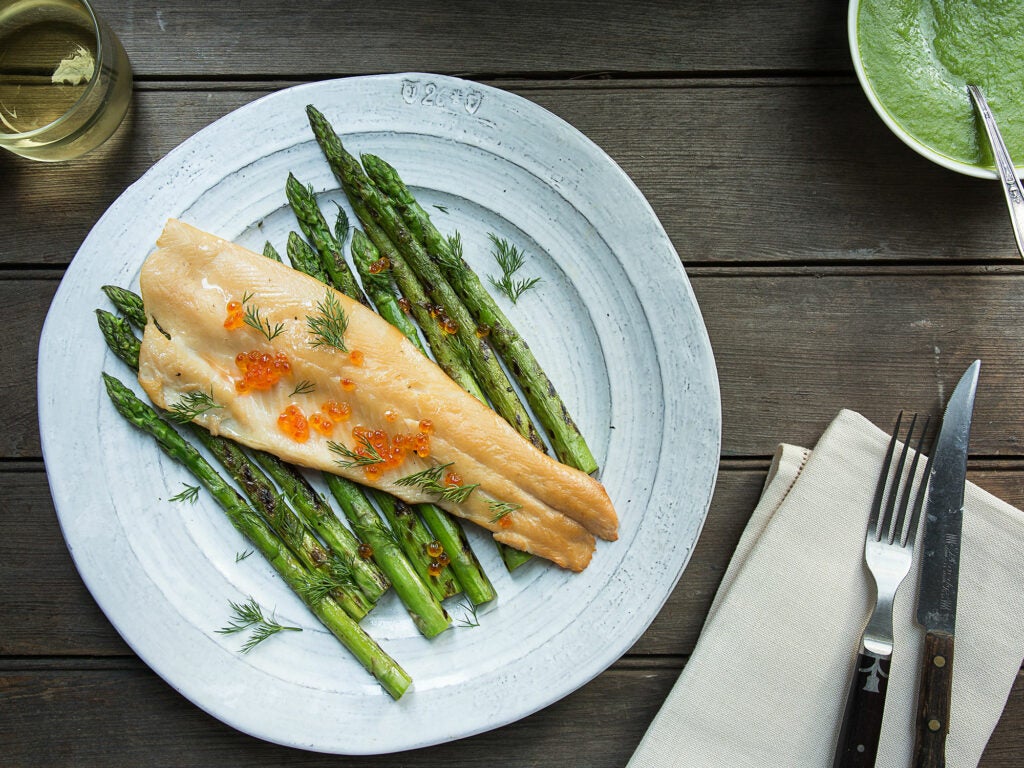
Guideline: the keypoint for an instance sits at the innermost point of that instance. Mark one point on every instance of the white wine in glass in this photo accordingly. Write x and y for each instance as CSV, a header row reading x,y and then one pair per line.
x,y
65,80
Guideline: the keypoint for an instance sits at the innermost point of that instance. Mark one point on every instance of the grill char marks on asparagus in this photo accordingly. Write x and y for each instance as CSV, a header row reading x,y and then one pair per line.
x,y
262,494
466,573
372,208
568,443
245,519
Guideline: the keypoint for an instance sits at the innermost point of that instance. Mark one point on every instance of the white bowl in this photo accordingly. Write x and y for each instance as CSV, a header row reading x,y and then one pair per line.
x,y
901,133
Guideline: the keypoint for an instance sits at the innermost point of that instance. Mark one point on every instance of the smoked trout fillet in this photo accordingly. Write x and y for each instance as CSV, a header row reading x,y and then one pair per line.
x,y
278,361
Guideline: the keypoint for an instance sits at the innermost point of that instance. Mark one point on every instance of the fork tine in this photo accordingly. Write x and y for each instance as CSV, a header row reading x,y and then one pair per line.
x,y
890,521
883,477
904,526
915,518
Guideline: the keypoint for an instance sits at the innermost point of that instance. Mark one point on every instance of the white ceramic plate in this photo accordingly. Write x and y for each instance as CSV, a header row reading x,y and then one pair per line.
x,y
614,323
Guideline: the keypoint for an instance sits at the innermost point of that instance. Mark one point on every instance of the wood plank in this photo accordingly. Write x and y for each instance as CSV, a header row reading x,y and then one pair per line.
x,y
729,189
461,36
28,299
791,350
45,608
97,716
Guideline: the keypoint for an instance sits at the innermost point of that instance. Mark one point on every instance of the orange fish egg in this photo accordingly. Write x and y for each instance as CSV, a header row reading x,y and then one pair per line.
x,y
434,548
337,411
235,316
293,423
260,370
356,357
321,424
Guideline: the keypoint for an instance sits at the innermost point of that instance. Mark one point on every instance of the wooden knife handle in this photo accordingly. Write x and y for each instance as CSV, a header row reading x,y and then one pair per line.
x,y
933,701
862,719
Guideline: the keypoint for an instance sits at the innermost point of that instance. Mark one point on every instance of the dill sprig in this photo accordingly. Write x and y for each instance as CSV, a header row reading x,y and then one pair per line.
x,y
461,352
352,458
254,320
502,508
321,583
304,387
429,480
249,616
455,494
240,556
469,617
428,475
510,259
370,529
341,225
193,404
190,494
328,327
453,260
441,208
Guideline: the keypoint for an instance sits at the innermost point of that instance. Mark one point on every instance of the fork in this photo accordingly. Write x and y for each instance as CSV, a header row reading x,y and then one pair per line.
x,y
888,552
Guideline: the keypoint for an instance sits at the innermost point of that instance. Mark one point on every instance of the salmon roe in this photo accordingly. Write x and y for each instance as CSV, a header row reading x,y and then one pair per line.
x,y
453,479
321,424
390,415
348,385
236,316
434,548
421,444
293,423
448,325
435,568
260,370
483,331
405,304
390,450
505,521
380,265
365,551
356,357
336,410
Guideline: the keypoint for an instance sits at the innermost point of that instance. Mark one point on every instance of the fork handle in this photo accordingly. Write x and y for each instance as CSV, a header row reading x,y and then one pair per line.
x,y
862,719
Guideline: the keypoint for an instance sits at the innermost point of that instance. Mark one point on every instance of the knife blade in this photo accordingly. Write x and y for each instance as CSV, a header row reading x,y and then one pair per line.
x,y
940,565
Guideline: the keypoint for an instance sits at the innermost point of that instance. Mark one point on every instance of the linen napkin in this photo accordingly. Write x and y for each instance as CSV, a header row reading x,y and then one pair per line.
x,y
767,682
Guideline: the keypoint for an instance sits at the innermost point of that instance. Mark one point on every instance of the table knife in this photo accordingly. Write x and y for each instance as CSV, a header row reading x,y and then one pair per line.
x,y
940,564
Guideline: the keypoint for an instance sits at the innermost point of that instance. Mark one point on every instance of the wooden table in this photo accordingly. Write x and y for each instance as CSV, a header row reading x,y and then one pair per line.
x,y
834,268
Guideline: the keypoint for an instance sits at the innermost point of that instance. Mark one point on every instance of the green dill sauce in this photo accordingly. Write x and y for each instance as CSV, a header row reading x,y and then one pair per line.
x,y
919,56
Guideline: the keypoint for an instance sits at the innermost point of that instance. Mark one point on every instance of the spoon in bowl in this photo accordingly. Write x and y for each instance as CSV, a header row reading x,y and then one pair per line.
x,y
1012,187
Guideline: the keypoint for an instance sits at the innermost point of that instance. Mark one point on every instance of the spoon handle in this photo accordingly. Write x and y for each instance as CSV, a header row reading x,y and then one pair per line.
x,y
1004,166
